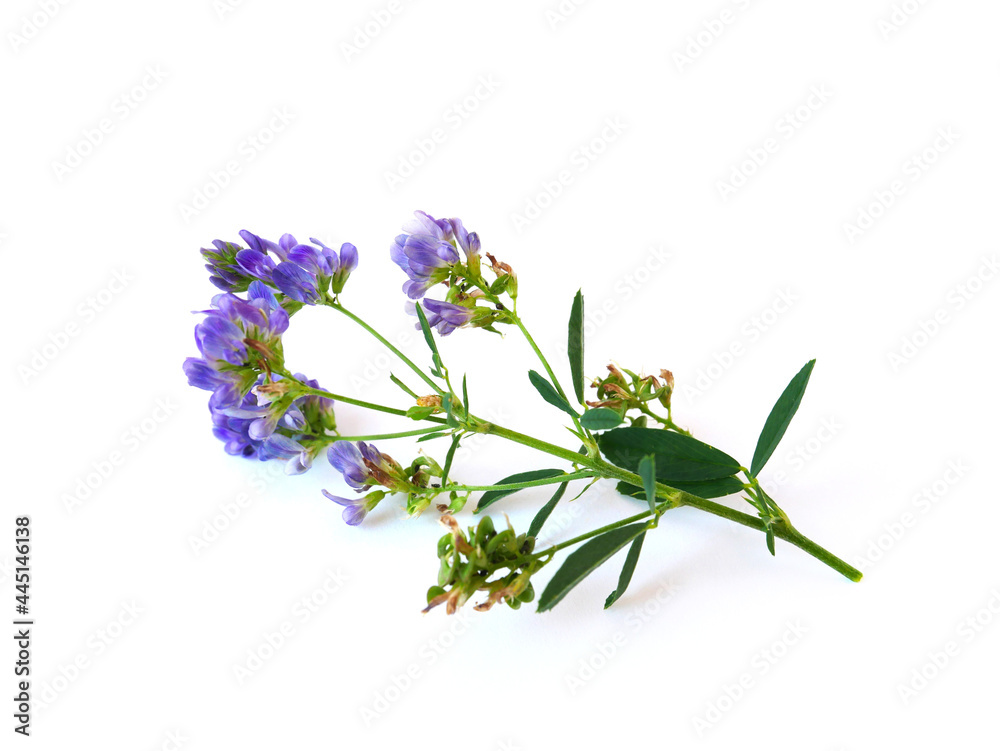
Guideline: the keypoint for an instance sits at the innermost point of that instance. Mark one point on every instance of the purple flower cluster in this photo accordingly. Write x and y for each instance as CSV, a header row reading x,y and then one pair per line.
x,y
234,332
302,272
234,337
428,251
240,430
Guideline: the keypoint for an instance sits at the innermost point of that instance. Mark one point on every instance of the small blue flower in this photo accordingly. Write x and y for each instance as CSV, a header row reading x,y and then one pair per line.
x,y
224,384
363,465
296,282
426,252
232,323
346,458
224,271
356,509
467,241
234,427
240,428
301,271
445,316
256,264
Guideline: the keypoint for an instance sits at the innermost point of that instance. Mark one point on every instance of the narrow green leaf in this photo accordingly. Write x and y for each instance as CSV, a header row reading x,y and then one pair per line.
x,y
549,393
581,562
575,345
446,404
719,488
625,577
465,394
432,436
770,539
678,457
419,413
545,511
647,471
425,327
403,386
600,418
449,459
492,496
781,414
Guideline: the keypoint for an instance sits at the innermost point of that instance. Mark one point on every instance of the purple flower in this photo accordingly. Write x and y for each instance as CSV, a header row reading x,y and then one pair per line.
x,y
224,270
280,248
232,323
363,465
346,458
256,264
467,241
242,429
343,265
224,385
356,509
296,282
445,316
299,270
426,252
234,427
303,272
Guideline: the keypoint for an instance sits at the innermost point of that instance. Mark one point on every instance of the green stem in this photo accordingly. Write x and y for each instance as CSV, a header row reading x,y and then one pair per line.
x,y
676,497
582,475
426,378
595,532
666,422
535,443
485,289
384,436
673,496
358,402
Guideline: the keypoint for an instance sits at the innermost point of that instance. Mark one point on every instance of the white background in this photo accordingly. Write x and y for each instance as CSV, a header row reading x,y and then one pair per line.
x,y
681,268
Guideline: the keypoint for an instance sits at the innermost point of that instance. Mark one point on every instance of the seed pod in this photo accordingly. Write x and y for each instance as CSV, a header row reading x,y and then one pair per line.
x,y
499,542
485,530
444,546
445,572
527,594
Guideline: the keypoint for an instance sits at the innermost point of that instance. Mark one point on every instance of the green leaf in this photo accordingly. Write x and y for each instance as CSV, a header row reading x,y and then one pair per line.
x,y
425,327
625,577
545,511
449,459
705,489
403,386
465,394
601,418
770,539
429,338
581,562
432,436
574,346
647,471
446,404
549,393
492,496
419,413
781,414
678,457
